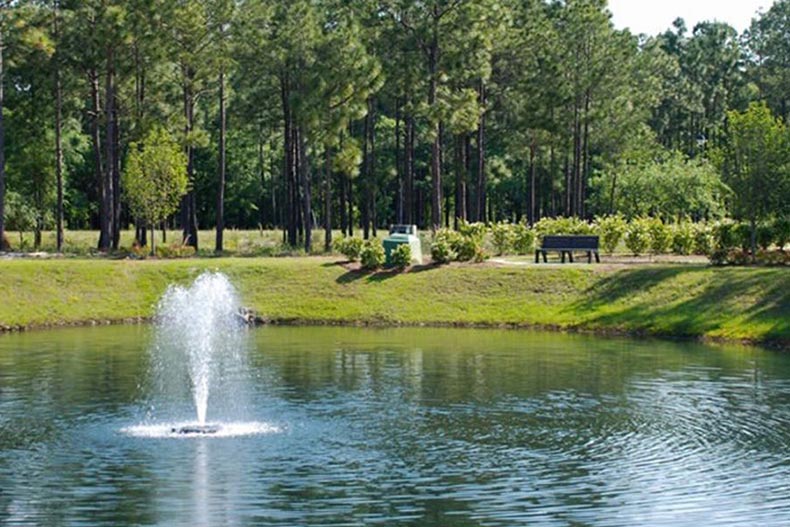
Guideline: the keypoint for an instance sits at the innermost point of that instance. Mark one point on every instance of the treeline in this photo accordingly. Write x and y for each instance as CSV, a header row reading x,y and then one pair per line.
x,y
355,115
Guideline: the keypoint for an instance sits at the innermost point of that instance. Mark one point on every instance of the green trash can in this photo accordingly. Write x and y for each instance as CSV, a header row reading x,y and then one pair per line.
x,y
403,235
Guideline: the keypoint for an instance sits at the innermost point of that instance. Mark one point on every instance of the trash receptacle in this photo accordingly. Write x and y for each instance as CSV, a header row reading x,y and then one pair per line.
x,y
403,235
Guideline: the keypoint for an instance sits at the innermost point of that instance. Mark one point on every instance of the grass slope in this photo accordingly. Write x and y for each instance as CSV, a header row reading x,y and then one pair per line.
x,y
738,304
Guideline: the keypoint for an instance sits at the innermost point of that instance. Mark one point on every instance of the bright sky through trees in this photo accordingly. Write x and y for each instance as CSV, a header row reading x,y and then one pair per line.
x,y
652,16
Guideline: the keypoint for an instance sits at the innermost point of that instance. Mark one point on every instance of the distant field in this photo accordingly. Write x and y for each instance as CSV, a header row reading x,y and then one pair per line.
x,y
236,243
661,299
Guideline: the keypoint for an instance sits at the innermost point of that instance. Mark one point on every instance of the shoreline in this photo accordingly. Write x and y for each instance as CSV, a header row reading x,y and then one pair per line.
x,y
688,302
780,345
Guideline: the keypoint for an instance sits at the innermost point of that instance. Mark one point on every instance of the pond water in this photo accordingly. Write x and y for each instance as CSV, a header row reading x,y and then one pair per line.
x,y
417,427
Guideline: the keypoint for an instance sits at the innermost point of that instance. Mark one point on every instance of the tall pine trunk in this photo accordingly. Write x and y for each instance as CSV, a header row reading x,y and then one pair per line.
x,y
305,177
221,190
188,203
481,157
58,139
328,199
116,174
2,147
460,179
408,198
106,209
436,146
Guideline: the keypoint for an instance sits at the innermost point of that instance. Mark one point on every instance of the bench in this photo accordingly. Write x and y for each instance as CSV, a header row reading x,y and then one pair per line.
x,y
567,245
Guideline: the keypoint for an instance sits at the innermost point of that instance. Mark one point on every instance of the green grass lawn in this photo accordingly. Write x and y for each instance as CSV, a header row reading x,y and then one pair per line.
x,y
678,300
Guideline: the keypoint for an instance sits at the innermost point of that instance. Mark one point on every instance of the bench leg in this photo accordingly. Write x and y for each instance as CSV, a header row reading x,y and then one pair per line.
x,y
589,257
597,257
545,257
563,256
537,257
570,256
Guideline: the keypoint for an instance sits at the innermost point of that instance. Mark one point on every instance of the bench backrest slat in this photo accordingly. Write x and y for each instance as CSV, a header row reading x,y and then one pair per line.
x,y
582,243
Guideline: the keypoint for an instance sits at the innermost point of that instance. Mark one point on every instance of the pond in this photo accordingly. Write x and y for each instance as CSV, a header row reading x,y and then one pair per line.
x,y
397,427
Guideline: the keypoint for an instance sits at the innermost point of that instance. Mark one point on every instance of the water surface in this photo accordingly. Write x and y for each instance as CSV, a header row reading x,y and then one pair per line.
x,y
402,427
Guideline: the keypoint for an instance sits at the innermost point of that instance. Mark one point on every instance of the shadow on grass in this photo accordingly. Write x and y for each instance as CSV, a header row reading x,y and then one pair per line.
x,y
643,299
382,275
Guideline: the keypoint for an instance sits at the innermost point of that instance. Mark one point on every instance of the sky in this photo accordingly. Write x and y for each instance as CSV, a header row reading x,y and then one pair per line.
x,y
655,16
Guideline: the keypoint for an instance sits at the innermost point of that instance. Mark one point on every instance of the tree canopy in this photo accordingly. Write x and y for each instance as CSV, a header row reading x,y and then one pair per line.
x,y
354,115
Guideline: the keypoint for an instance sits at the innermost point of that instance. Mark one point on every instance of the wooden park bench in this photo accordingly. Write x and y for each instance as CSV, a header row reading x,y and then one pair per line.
x,y
568,245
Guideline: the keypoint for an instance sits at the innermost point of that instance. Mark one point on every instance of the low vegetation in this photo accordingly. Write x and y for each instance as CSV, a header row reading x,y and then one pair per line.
x,y
693,301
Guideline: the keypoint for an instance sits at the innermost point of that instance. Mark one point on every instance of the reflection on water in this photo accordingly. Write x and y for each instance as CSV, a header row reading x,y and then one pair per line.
x,y
403,427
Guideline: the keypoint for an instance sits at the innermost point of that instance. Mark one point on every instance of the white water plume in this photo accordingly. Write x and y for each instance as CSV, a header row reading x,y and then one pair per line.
x,y
199,333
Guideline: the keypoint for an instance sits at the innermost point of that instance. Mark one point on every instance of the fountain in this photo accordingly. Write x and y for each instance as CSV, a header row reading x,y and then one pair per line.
x,y
199,353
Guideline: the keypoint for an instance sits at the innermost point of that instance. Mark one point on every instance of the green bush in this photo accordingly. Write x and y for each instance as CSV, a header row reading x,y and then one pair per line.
x,y
372,255
523,238
660,236
765,235
724,236
174,251
474,231
637,236
683,235
743,236
442,247
441,252
611,230
351,248
401,256
703,239
560,226
502,238
466,248
782,231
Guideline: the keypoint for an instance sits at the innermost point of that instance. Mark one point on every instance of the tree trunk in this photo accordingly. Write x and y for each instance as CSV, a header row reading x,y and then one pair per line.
x,y
2,147
58,140
116,174
328,199
532,183
481,158
460,180
372,183
436,146
398,165
188,212
107,209
366,176
408,199
307,198
221,190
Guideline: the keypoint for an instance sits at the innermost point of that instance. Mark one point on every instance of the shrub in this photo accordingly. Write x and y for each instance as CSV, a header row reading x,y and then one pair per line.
x,y
683,238
502,237
782,231
523,239
773,258
5,245
372,255
351,248
611,229
466,249
401,256
175,251
442,252
703,239
442,247
660,236
637,236
743,236
765,236
724,237
474,231
559,226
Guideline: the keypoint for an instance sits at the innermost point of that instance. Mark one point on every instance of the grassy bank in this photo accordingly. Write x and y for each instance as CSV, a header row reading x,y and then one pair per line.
x,y
672,300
